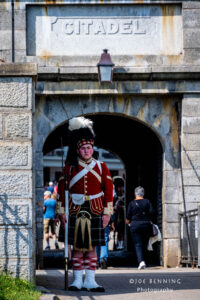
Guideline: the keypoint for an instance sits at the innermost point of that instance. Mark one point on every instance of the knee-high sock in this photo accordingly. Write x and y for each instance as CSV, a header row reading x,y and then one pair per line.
x,y
90,262
77,265
77,260
90,259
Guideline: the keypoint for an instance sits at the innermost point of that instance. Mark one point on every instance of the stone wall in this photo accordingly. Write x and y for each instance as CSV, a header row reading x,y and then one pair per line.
x,y
191,31
17,233
191,150
187,40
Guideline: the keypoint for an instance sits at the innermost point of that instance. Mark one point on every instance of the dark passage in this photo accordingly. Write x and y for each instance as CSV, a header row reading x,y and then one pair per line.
x,y
141,152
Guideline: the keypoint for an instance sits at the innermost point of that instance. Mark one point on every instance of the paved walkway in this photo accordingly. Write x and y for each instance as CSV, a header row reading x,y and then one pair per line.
x,y
120,283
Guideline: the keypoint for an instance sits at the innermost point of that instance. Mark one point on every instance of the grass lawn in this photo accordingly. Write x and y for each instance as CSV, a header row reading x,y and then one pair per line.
x,y
17,289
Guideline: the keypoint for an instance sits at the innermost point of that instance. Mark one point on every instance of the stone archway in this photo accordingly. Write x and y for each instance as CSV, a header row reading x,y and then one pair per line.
x,y
158,115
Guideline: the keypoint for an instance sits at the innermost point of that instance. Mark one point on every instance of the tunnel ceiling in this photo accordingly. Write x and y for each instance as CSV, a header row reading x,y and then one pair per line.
x,y
117,134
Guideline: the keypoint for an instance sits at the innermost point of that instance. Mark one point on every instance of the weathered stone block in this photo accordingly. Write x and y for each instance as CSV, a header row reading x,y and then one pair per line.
x,y
5,40
171,230
172,178
191,141
191,38
6,55
192,194
39,179
191,18
190,4
14,242
18,126
20,39
171,161
171,252
172,195
171,212
43,126
14,214
16,92
192,56
5,20
39,196
191,105
189,206
39,161
190,160
15,155
20,19
172,247
171,261
191,124
39,231
15,184
39,142
191,177
1,134
22,268
20,56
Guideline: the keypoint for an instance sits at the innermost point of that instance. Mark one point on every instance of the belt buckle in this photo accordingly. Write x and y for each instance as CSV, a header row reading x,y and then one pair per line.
x,y
87,198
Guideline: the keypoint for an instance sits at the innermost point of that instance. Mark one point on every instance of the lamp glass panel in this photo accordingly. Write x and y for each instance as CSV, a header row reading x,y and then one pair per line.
x,y
105,73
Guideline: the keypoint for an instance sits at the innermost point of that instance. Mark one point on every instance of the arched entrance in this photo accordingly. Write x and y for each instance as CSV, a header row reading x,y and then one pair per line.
x,y
141,152
143,124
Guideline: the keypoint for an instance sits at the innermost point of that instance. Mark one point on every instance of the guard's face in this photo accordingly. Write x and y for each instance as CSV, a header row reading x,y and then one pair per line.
x,y
85,152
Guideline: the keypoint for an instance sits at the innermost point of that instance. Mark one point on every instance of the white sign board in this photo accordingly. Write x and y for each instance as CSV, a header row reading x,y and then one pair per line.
x,y
139,30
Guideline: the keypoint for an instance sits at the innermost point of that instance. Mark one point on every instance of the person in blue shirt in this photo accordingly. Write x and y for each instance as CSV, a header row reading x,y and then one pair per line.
x,y
49,210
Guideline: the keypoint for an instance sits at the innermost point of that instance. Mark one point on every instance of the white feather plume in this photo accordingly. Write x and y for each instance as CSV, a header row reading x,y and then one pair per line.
x,y
80,122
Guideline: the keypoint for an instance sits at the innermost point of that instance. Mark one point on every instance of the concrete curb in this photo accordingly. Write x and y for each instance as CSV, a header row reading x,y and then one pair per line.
x,y
49,296
46,294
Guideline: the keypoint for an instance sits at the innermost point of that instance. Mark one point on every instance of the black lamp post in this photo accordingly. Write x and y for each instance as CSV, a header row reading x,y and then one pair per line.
x,y
105,67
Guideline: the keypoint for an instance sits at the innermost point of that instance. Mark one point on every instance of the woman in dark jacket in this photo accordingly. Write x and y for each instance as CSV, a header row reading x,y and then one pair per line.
x,y
139,215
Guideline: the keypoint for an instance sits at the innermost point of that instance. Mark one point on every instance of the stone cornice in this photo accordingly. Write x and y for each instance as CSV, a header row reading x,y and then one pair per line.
x,y
134,87
18,69
120,73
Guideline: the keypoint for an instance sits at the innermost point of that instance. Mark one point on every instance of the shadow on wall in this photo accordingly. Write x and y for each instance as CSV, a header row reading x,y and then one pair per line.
x,y
14,236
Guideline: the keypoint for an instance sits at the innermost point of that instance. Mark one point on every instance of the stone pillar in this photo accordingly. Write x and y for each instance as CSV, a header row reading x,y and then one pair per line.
x,y
191,150
171,202
172,196
17,204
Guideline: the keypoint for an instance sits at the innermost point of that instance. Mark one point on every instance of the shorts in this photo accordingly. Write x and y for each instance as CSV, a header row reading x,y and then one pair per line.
x,y
49,223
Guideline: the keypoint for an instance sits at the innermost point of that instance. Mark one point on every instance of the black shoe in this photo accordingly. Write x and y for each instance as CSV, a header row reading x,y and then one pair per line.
x,y
47,248
56,245
73,288
99,289
103,264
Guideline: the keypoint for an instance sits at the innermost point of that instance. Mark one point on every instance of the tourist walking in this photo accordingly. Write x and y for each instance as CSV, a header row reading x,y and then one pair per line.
x,y
49,210
138,217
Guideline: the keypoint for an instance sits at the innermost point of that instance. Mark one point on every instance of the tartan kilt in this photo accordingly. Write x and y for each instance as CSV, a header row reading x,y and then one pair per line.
x,y
97,231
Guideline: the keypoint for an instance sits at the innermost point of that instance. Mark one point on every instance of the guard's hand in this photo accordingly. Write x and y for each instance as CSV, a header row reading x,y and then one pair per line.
x,y
105,220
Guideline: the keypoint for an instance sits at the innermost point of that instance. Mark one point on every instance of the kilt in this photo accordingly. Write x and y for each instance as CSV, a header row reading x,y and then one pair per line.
x,y
97,231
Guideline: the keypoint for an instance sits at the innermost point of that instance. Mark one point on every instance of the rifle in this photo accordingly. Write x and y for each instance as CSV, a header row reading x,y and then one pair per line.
x,y
66,239
66,254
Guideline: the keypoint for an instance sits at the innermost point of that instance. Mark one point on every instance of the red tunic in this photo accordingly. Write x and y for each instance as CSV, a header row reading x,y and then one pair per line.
x,y
90,185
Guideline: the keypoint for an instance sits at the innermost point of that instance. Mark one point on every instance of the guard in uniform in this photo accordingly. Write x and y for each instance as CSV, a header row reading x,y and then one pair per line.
x,y
90,203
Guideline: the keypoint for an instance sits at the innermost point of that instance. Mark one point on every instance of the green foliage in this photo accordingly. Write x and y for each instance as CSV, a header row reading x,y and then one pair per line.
x,y
17,289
